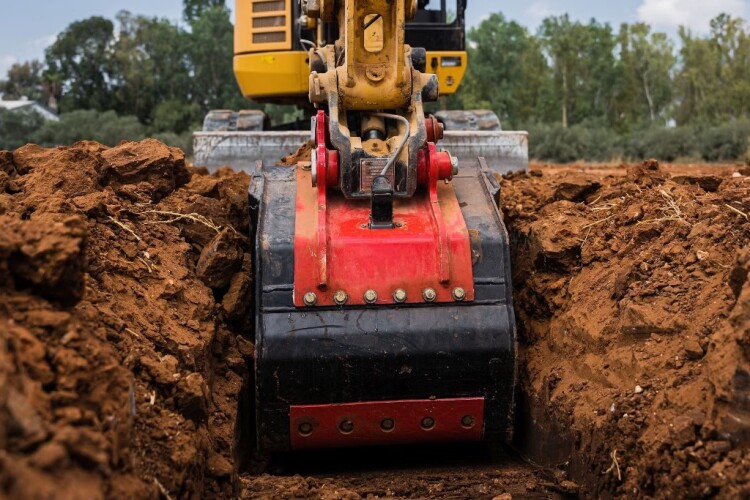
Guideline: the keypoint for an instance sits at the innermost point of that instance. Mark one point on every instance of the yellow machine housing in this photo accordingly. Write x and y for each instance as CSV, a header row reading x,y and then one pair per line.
x,y
271,63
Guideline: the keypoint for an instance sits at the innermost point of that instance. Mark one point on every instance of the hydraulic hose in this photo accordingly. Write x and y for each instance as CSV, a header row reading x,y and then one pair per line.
x,y
400,148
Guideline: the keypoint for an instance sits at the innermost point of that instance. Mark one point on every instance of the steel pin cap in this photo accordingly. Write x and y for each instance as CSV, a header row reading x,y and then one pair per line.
x,y
310,299
399,295
459,293
340,298
371,296
429,295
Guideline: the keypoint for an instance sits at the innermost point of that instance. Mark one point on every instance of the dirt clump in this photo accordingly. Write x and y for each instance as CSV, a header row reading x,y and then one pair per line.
x,y
632,294
120,333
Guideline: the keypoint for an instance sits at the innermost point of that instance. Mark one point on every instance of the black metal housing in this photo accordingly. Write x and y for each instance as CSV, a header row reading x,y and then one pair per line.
x,y
381,353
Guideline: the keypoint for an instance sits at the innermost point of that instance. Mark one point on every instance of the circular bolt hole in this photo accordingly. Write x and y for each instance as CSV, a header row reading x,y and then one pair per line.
x,y
468,422
305,429
387,424
427,423
346,426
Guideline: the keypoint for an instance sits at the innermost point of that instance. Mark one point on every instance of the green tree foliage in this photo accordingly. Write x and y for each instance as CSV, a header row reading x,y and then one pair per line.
x,y
586,74
507,70
24,80
79,65
648,61
713,82
211,50
195,9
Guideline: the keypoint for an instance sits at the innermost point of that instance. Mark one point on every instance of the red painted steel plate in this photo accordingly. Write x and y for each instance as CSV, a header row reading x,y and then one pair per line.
x,y
358,259
320,426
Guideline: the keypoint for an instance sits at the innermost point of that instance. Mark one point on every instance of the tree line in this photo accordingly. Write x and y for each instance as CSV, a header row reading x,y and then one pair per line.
x,y
584,90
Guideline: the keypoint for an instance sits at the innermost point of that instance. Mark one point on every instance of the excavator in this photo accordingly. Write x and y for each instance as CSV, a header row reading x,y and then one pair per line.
x,y
383,299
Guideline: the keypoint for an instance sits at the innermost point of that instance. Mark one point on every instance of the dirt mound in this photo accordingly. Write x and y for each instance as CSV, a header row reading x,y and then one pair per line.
x,y
124,279
634,312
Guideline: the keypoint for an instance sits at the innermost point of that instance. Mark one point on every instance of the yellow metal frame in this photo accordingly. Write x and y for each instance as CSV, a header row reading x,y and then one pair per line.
x,y
245,30
272,74
285,74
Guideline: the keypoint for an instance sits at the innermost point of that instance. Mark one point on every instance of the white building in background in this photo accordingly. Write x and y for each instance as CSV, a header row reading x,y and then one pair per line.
x,y
27,105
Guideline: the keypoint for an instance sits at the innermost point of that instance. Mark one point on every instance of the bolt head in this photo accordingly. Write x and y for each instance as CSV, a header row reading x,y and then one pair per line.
x,y
468,422
459,293
371,296
429,295
310,299
399,295
340,298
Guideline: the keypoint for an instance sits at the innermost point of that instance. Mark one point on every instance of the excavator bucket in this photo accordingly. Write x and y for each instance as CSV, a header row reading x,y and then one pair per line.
x,y
381,366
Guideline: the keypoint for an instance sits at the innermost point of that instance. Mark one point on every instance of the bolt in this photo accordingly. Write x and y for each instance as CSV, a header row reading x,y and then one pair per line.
x,y
310,299
429,295
387,424
305,428
427,423
399,295
340,298
346,426
371,296
468,422
459,293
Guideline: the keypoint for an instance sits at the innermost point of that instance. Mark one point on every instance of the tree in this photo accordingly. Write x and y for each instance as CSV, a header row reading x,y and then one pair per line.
x,y
648,62
194,9
713,83
211,51
507,70
23,80
149,66
586,73
78,64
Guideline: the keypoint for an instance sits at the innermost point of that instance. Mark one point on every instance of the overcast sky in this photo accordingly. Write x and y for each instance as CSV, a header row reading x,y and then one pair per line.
x,y
30,25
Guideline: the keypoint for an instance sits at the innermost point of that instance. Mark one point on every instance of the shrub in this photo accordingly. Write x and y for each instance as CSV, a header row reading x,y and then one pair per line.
x,y
662,143
16,127
579,142
105,127
726,142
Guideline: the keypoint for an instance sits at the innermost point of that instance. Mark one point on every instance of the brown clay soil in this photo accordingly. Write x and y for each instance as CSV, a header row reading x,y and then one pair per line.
x,y
126,332
633,302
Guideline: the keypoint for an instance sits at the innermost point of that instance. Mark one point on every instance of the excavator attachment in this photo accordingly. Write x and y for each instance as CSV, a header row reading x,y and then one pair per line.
x,y
384,354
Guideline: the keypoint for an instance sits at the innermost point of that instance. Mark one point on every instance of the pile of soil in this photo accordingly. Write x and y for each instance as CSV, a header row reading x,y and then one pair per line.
x,y
633,303
125,287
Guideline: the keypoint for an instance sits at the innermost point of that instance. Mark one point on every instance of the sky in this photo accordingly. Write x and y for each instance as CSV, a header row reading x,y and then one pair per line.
x,y
31,25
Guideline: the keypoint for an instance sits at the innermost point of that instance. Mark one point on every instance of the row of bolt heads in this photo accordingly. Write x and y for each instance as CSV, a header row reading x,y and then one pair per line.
x,y
386,425
371,296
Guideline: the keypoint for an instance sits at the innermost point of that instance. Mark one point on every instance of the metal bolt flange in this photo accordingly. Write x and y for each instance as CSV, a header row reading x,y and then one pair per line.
x,y
371,296
310,299
399,295
429,295
340,298
459,293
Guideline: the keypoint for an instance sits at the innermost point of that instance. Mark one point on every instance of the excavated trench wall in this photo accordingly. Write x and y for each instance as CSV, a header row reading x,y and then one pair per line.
x,y
633,303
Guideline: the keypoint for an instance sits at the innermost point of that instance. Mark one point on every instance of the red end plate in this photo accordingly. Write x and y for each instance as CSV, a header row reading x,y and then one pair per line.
x,y
386,422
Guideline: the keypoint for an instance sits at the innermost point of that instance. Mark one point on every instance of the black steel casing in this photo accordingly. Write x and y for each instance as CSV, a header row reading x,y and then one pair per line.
x,y
380,353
